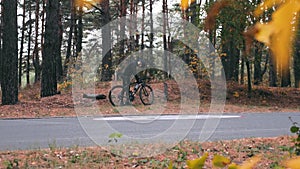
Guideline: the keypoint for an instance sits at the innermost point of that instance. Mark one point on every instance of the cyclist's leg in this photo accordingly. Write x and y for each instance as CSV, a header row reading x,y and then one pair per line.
x,y
126,88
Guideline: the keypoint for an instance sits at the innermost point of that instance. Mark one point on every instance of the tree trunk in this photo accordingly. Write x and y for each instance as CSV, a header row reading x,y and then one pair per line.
x,y
59,68
51,49
297,60
143,26
22,44
70,37
242,71
28,48
106,47
272,72
122,31
43,26
9,67
286,77
249,77
151,37
165,22
35,57
79,34
257,64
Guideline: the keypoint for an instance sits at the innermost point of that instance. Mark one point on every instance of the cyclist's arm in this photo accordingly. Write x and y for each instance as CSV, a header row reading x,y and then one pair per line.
x,y
137,78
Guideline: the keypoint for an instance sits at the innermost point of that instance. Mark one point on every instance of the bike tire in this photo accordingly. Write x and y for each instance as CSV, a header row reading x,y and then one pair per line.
x,y
146,95
115,97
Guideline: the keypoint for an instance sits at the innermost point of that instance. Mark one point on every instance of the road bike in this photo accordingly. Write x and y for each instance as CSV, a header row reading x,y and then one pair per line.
x,y
121,95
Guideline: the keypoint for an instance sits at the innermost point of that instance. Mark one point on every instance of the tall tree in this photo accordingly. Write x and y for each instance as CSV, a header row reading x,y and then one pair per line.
x,y
257,63
151,36
122,14
22,43
59,66
51,49
272,72
286,77
29,45
297,60
9,82
70,37
36,57
79,27
106,45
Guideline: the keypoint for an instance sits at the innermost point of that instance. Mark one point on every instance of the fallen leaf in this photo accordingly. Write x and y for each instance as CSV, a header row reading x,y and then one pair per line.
x,y
197,163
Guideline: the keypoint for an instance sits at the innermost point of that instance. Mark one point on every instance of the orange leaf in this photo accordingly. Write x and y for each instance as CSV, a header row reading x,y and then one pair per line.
x,y
185,4
293,163
266,5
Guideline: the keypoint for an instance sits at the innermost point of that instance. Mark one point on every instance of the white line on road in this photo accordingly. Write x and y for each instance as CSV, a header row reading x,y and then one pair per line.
x,y
167,117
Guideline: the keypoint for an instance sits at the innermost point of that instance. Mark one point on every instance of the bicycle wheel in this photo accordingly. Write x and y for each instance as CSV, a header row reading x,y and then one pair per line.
x,y
115,96
146,95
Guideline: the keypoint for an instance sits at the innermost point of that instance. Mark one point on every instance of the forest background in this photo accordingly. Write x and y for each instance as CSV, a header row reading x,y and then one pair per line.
x,y
37,36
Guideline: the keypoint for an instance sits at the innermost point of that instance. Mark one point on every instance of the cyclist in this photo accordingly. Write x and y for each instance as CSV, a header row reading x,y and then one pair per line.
x,y
131,70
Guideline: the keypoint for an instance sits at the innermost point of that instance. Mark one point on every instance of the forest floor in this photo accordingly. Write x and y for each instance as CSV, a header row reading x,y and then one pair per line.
x,y
263,99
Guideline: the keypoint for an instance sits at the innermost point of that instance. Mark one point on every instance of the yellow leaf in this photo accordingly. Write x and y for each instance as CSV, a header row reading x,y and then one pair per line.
x,y
197,163
20,96
264,33
279,33
185,4
249,164
293,163
220,161
236,94
223,54
266,5
170,165
233,166
86,3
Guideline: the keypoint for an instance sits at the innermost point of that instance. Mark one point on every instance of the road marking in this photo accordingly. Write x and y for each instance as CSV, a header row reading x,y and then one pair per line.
x,y
166,117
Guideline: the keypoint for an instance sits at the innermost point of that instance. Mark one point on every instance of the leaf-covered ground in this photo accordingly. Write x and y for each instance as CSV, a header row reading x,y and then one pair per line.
x,y
273,150
263,99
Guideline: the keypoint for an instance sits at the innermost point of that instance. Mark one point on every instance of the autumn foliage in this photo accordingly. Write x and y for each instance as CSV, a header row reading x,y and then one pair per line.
x,y
278,34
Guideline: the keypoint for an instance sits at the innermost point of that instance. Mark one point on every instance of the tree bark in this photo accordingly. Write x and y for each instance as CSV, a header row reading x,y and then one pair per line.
x,y
286,77
9,83
22,44
51,49
79,34
29,48
59,66
122,30
297,60
257,64
35,57
106,46
70,37
272,72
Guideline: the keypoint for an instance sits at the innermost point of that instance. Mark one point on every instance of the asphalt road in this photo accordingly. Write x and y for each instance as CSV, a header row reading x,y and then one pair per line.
x,y
89,131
